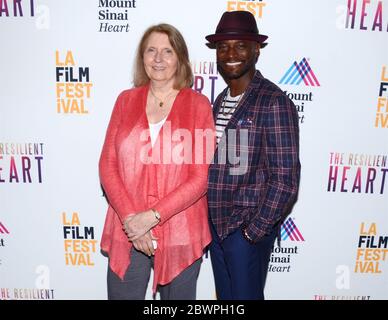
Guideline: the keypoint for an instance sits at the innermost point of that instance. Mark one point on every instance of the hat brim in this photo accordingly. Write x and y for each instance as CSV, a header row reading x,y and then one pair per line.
x,y
213,38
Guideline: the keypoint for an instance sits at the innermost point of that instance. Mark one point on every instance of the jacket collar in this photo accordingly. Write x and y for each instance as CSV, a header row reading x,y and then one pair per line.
x,y
253,85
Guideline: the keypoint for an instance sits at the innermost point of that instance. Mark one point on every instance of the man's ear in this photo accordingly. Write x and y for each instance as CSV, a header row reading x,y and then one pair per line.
x,y
257,50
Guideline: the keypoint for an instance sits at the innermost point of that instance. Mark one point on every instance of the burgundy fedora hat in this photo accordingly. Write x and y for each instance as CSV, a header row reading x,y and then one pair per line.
x,y
237,25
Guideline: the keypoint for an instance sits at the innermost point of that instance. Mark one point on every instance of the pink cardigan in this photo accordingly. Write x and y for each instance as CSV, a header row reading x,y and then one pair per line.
x,y
177,191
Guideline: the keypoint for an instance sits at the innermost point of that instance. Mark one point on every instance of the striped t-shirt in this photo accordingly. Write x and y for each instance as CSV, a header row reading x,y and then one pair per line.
x,y
228,106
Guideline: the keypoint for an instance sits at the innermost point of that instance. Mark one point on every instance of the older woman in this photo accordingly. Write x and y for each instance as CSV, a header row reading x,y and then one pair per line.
x,y
153,169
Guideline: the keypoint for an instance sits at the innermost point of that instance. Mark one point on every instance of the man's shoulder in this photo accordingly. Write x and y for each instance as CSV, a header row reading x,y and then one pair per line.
x,y
262,83
266,90
220,95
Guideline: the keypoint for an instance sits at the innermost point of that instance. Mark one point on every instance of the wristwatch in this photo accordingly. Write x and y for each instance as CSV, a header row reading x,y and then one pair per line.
x,y
156,214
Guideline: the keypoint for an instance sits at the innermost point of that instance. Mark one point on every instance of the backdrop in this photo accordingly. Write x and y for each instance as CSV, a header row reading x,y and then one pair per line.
x,y
62,65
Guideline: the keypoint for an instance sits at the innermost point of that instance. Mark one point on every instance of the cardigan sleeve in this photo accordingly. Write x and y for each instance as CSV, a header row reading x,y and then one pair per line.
x,y
195,186
110,178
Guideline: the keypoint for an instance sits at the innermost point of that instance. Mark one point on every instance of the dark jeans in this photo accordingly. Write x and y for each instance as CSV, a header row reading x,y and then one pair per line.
x,y
240,268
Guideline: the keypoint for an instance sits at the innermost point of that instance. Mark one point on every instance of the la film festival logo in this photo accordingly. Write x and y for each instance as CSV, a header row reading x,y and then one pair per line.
x,y
256,7
372,249
300,74
357,173
21,162
113,15
205,78
365,15
280,260
79,242
73,86
382,101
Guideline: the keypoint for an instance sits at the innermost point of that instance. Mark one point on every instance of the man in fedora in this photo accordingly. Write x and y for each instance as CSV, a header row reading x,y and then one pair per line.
x,y
256,124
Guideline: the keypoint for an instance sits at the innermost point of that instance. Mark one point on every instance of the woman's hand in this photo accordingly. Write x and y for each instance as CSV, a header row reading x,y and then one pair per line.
x,y
144,244
137,225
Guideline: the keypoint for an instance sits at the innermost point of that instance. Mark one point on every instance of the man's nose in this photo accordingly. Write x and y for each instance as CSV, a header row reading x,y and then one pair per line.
x,y
231,53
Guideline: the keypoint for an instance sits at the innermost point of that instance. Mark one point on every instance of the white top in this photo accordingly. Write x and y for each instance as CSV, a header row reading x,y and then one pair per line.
x,y
228,106
155,128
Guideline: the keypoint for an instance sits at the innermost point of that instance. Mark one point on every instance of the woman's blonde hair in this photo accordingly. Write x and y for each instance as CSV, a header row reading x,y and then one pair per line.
x,y
184,75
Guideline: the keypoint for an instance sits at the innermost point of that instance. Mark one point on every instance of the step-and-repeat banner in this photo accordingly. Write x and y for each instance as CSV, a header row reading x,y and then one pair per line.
x,y
62,65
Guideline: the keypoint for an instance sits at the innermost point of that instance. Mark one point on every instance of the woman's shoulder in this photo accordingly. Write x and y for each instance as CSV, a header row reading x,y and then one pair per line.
x,y
131,93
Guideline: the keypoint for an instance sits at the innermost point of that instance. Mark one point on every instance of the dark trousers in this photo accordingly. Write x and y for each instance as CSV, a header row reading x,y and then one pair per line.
x,y
135,282
240,268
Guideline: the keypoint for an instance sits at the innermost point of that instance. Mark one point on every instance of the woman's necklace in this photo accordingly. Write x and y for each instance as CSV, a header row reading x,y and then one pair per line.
x,y
162,101
231,108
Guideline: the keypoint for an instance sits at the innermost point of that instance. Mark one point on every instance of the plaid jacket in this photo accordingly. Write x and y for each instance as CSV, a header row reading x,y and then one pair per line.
x,y
254,178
